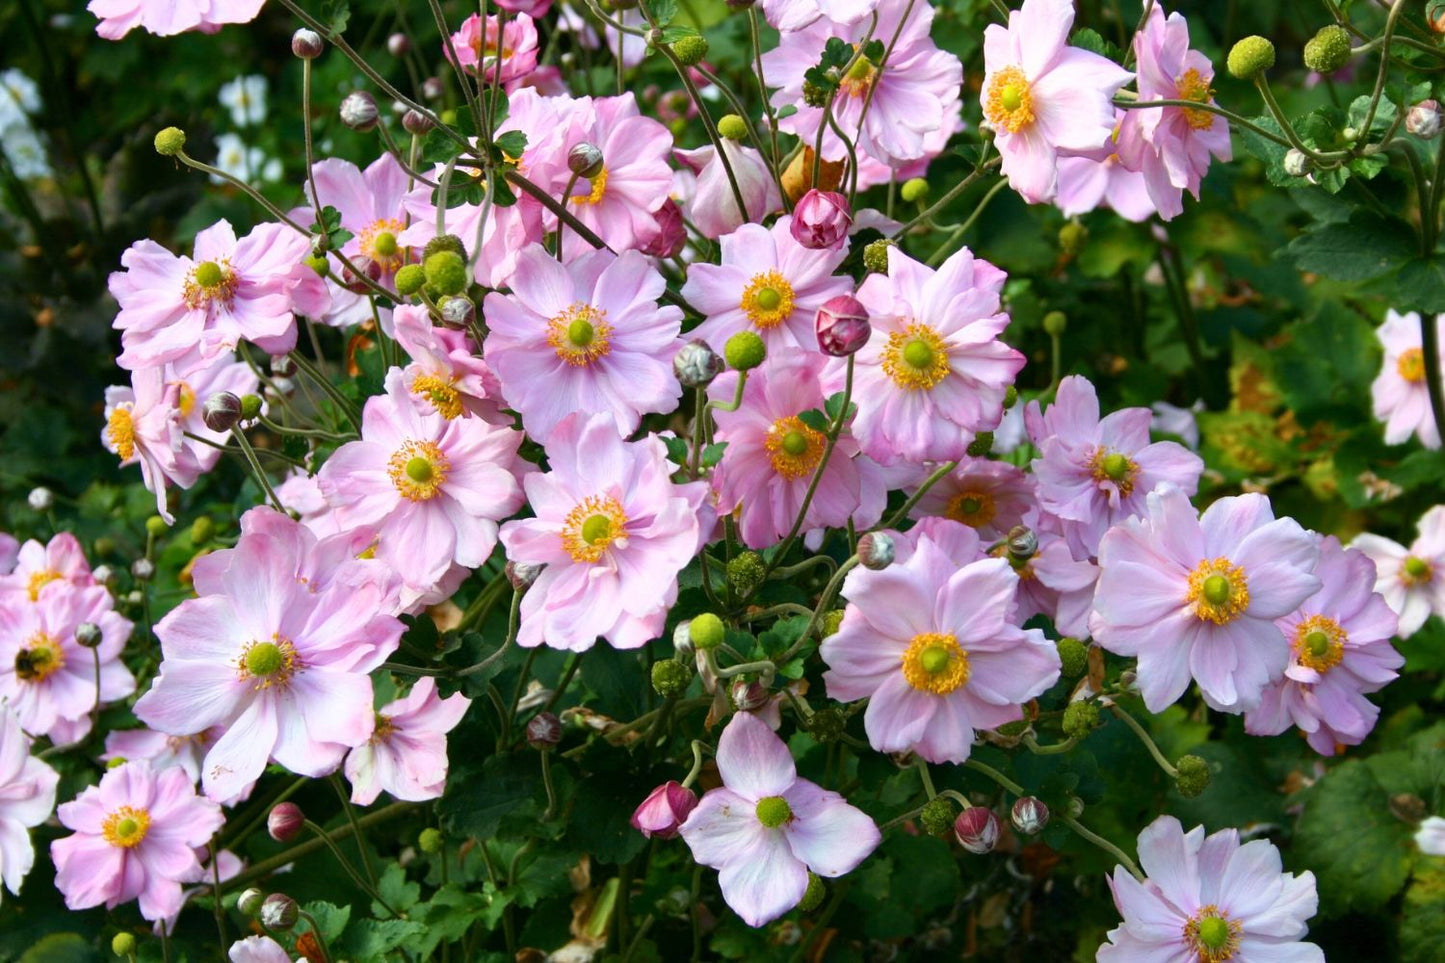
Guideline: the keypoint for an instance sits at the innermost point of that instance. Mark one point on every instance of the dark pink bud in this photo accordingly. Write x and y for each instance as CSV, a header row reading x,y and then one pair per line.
x,y
544,731
671,234
352,282
1029,815
821,219
842,326
977,829
749,696
664,810
284,822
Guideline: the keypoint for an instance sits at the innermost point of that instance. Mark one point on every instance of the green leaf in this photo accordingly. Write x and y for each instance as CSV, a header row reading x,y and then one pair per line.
x,y
369,941
1422,922
330,918
599,822
1418,286
676,449
712,454
1366,246
1359,852
814,419
478,798
674,33
781,635
396,890
512,143
451,912
335,14
59,948
663,11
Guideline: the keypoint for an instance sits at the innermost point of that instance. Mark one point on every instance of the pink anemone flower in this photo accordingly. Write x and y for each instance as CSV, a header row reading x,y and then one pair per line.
x,y
407,752
27,796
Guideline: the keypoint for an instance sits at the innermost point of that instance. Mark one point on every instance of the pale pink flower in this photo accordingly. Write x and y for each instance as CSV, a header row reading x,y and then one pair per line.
x,y
1210,898
1171,146
1339,650
258,949
407,752
143,425
494,52
166,18
1043,97
27,796
1197,597
226,374
431,489
445,375
934,647
990,497
913,95
1086,184
57,566
1055,584
190,311
787,15
713,208
772,455
1412,580
9,552
1093,473
161,749
934,372
282,665
766,283
46,676
587,335
613,532
135,837
765,829
1402,398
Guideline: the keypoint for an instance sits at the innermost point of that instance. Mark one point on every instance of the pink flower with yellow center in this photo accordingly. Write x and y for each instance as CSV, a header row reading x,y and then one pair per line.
x,y
144,425
496,52
1402,399
166,18
1196,596
990,497
613,532
135,836
59,565
1412,580
588,335
445,375
407,753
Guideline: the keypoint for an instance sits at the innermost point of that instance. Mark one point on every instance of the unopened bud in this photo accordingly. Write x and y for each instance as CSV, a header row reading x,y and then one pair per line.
x,y
1023,544
706,631
914,190
585,160
458,312
937,816
1408,807
40,499
432,88
977,829
821,220
250,900
1193,776
1250,57
744,351
670,678
1029,815
732,126
358,110
143,570
696,364
430,840
415,122
1055,323
285,821
306,44
279,912
544,730
397,45
201,530
522,574
354,276
876,551
88,635
682,648
748,696
664,810
1423,119
170,141
122,944
1297,163
156,526
103,574
842,326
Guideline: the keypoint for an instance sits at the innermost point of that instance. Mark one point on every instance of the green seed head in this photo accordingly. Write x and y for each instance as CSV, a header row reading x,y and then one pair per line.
x,y
1250,58
690,50
875,256
1080,718
384,244
264,658
744,351
170,141
706,631
1328,50
209,274
1116,466
429,840
670,678
1073,657
447,272
419,470
410,279
1193,776
813,896
918,354
732,127
773,811
937,817
1216,590
914,191
596,528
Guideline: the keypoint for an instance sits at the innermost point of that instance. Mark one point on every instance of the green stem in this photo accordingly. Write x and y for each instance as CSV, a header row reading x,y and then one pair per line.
x,y
256,469
1145,738
938,475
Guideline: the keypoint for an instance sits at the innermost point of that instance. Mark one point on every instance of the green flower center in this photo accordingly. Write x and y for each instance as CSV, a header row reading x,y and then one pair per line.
x,y
1317,643
209,274
264,658
773,811
795,443
1213,932
419,470
1416,568
384,243
580,332
1116,466
918,354
597,528
934,659
1216,590
768,299
1012,97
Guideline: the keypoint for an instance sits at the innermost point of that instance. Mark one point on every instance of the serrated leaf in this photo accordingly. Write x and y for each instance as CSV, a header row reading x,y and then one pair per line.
x,y
330,918
676,32
1366,246
676,449
336,14
814,419
663,11
513,143
370,941
59,948
1358,850
712,454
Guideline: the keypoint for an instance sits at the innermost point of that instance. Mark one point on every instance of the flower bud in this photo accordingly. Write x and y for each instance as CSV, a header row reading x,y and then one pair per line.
x,y
430,840
143,570
981,445
1055,323
415,122
356,282
1435,17
744,351
670,678
1328,50
544,731
398,44
914,190
814,894
1080,719
1423,120
88,635
358,111
156,526
977,829
170,141
748,696
821,219
1029,815
40,499
410,279
202,529
937,817
458,312
522,574
585,160
682,647
671,234
732,126
306,44
1250,57
690,50
827,725
285,821
696,365
706,631
875,256
432,88
279,912
1022,543
876,551
249,902
103,574
1193,776
814,95
1073,657
745,571
842,326
446,271
122,944
1297,163
664,810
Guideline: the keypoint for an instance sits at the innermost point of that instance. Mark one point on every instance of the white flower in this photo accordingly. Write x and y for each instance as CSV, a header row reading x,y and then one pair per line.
x,y
245,98
242,162
24,152
19,96
1430,837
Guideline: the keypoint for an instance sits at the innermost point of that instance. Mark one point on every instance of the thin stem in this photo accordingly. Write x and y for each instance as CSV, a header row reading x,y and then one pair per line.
x,y
1145,738
948,197
216,895
547,782
312,845
1104,844
335,781
938,475
829,591
1396,8
1129,103
962,229
256,469
250,191
341,401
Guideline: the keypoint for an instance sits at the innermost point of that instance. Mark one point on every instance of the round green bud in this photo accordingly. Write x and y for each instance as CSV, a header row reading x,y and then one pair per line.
x,y
1250,58
1010,397
1328,50
732,126
156,526
444,242
827,725
1073,657
429,840
744,351
745,571
813,896
446,271
250,406
317,263
1080,718
706,631
690,50
1055,323
981,445
813,95
122,944
914,190
201,530
410,279
1072,237
832,622
875,256
773,811
1193,777
937,817
170,141
670,678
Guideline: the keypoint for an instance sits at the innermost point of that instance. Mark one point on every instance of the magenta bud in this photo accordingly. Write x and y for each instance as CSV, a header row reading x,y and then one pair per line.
x,y
977,829
671,234
352,282
1029,815
432,88
522,574
415,122
876,551
284,821
544,730
279,912
842,326
664,810
821,219
307,44
397,45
